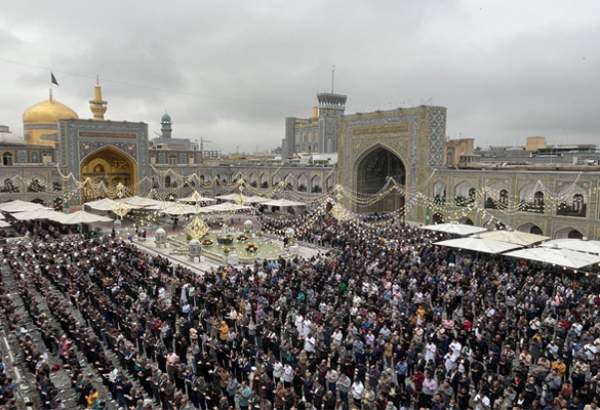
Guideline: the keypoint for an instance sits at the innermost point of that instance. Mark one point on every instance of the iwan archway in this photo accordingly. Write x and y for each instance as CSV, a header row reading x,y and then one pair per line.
x,y
110,166
376,171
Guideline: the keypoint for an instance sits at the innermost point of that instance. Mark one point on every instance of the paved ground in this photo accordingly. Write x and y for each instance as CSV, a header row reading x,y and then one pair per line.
x,y
205,264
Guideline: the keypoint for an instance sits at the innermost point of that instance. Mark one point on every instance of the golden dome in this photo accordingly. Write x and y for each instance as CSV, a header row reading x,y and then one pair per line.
x,y
48,112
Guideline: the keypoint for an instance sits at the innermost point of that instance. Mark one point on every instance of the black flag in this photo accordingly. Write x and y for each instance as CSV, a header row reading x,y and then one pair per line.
x,y
53,79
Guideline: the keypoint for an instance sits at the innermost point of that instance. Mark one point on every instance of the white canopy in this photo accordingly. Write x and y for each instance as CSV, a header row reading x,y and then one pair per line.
x,y
4,224
574,245
283,203
479,245
83,217
224,207
195,198
139,201
43,213
107,204
174,208
555,256
455,228
515,237
234,197
20,206
256,199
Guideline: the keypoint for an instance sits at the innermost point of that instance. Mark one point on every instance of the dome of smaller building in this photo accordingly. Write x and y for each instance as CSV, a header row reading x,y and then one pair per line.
x,y
48,112
165,118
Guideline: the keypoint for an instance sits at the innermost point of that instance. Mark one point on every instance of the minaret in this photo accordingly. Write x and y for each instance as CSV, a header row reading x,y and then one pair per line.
x,y
98,105
165,125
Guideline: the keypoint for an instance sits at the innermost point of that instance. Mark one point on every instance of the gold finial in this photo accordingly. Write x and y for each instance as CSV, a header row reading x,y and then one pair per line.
x,y
98,105
196,229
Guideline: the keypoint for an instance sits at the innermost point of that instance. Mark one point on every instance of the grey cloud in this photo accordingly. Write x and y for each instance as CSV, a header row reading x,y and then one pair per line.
x,y
231,71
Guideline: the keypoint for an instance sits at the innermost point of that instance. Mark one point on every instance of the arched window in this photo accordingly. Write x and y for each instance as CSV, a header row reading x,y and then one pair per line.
x,y
465,194
578,203
276,180
538,202
472,193
574,234
315,184
503,198
167,181
439,193
264,181
302,184
7,159
329,183
536,230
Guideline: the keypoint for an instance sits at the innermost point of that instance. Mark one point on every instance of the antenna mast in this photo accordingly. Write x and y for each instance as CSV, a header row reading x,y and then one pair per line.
x,y
332,78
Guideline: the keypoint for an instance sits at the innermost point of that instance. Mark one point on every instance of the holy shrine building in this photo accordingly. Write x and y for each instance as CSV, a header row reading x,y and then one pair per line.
x,y
536,188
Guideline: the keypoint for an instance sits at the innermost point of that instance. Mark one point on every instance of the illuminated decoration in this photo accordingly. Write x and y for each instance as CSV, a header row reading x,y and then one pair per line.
x,y
121,210
339,212
120,191
196,229
196,197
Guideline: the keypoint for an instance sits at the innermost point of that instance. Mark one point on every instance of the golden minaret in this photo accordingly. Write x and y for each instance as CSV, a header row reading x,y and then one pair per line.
x,y
98,105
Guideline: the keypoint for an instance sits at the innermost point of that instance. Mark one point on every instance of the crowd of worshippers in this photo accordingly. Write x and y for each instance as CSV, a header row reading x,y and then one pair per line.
x,y
386,321
37,230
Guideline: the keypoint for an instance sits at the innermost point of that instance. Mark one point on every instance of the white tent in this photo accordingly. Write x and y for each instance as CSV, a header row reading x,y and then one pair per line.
x,y
40,214
256,199
83,217
139,201
283,203
107,204
515,237
455,228
574,245
20,206
4,224
479,245
556,256
195,198
224,207
234,197
174,208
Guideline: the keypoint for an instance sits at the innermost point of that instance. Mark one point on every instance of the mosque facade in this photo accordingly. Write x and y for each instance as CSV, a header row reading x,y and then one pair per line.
x,y
406,147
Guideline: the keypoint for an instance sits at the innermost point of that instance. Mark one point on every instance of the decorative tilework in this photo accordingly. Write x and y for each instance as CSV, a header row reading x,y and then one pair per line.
x,y
85,148
436,118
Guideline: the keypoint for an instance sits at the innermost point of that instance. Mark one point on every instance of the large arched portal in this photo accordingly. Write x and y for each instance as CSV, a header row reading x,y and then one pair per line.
x,y
372,174
110,166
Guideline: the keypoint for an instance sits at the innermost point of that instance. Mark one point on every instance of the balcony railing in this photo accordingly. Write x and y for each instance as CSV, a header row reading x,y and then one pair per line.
x,y
490,203
566,210
534,207
462,201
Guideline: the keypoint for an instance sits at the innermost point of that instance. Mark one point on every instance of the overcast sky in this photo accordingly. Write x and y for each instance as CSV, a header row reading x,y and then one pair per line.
x,y
231,71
